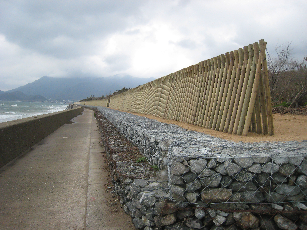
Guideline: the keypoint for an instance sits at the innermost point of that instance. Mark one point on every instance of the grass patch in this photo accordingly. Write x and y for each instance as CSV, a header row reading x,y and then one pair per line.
x,y
141,159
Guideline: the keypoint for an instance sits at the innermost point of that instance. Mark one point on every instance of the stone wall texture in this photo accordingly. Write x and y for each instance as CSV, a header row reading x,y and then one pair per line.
x,y
203,182
19,136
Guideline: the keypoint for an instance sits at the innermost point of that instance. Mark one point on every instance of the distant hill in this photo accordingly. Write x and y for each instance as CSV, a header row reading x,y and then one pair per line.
x,y
1,92
20,96
75,89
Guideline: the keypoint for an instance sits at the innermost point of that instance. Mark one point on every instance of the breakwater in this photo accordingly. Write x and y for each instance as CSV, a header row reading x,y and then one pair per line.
x,y
19,136
203,182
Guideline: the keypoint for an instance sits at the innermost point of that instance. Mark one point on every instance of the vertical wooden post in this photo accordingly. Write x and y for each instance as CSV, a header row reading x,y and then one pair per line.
x,y
254,93
267,87
242,93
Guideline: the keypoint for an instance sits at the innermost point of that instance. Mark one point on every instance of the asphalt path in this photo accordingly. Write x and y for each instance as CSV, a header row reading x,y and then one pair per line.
x,y
59,184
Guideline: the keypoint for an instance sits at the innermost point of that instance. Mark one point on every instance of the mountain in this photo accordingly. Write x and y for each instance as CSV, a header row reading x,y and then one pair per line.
x,y
20,96
75,89
1,92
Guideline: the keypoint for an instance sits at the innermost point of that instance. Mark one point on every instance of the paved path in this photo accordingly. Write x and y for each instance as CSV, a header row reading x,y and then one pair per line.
x,y
59,184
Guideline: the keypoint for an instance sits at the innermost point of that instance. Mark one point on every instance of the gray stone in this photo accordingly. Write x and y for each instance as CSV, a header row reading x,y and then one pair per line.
x,y
267,223
292,180
280,159
288,190
194,223
168,220
302,181
232,168
178,168
229,219
246,220
263,179
270,168
197,165
252,197
184,214
299,197
212,213
277,207
274,197
303,167
232,227
138,223
278,178
193,186
239,186
206,173
192,197
236,197
211,164
296,160
261,160
177,180
222,213
244,176
300,206
221,169
148,228
200,213
217,228
219,220
287,169
166,208
140,182
148,221
213,181
284,223
256,168
244,162
148,201
162,175
177,190
189,177
216,195
226,181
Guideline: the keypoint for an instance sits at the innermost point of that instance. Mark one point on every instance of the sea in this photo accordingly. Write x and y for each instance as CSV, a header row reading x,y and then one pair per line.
x,y
13,110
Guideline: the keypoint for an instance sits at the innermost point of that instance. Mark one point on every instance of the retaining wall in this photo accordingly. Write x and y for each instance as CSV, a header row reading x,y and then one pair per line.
x,y
18,136
205,182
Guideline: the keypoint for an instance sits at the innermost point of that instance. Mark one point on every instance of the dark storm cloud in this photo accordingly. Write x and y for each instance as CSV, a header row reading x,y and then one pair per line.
x,y
64,28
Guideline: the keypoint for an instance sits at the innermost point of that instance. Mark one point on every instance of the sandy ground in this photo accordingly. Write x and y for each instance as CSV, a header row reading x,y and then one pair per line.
x,y
287,127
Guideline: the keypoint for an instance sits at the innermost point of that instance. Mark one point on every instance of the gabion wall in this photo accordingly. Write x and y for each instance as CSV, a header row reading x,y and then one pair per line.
x,y
205,182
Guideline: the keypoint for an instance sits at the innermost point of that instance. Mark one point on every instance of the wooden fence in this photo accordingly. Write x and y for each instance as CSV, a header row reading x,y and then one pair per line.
x,y
228,93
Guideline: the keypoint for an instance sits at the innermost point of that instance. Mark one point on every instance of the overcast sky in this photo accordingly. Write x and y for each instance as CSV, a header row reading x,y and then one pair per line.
x,y
142,38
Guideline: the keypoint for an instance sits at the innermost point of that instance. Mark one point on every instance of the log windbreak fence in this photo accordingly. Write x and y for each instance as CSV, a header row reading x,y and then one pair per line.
x,y
228,93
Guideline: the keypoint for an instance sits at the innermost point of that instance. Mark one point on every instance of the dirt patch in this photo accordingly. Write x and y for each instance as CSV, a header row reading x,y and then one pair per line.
x,y
288,126
115,217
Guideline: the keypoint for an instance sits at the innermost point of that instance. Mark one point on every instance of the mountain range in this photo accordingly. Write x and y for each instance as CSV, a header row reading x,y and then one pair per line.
x,y
75,89
19,96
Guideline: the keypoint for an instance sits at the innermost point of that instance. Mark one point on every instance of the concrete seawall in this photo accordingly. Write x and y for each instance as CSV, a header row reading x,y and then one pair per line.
x,y
18,136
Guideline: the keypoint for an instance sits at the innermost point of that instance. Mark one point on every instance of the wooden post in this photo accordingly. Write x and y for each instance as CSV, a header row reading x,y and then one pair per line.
x,y
262,44
242,93
253,96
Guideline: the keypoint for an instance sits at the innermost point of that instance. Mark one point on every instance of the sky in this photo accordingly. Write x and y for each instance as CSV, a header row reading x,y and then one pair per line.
x,y
141,38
